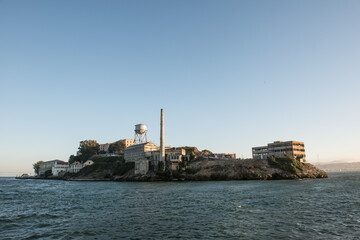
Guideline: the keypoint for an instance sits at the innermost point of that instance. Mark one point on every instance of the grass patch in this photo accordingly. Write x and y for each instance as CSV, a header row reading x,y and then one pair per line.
x,y
287,164
262,168
123,167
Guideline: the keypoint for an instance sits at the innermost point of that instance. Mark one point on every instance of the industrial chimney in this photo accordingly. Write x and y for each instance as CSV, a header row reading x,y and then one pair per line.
x,y
162,140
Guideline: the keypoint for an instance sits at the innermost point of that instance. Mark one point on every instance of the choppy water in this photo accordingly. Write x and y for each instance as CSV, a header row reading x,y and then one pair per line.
x,y
308,209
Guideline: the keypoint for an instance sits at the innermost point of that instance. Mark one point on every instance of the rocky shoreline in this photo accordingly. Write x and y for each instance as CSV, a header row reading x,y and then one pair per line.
x,y
207,170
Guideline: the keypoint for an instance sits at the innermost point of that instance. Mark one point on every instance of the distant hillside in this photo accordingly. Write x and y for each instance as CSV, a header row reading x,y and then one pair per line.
x,y
339,167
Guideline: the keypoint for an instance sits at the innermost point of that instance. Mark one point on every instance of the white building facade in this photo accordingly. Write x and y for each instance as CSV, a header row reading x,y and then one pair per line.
x,y
59,168
75,167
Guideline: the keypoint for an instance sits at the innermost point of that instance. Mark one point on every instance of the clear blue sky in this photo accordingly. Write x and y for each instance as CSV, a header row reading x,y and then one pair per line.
x,y
230,75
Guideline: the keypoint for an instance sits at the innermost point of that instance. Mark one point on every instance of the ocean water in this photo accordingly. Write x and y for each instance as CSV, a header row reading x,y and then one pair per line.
x,y
307,209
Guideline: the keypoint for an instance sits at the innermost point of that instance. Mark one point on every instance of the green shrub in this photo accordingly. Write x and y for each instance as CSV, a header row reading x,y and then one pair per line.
x,y
262,168
115,164
183,164
122,167
161,167
287,164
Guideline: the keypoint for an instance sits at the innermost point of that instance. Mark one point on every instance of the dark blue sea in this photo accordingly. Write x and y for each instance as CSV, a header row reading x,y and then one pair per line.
x,y
283,209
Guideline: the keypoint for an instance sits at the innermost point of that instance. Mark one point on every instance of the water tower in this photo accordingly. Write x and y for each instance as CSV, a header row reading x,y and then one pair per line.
x,y
140,133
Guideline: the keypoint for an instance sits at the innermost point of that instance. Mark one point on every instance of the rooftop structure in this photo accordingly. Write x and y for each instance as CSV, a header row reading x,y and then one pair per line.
x,y
140,133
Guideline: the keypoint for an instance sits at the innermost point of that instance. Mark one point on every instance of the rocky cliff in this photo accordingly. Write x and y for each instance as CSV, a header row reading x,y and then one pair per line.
x,y
205,170
249,169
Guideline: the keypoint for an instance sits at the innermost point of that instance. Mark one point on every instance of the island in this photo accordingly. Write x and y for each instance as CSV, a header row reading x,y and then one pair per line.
x,y
114,168
141,160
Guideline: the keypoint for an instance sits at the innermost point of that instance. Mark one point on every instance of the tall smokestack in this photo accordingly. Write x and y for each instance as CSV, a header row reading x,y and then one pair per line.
x,y
162,140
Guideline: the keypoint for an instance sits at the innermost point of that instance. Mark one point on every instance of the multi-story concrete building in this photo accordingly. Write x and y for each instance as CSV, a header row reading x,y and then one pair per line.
x,y
280,149
173,156
128,142
290,148
60,168
141,155
260,152
104,147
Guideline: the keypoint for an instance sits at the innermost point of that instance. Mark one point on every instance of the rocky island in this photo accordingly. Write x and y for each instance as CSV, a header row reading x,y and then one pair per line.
x,y
115,168
141,160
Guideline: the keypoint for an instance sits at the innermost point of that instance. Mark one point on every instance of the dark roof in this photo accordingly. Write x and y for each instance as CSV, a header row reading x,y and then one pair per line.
x,y
140,144
57,160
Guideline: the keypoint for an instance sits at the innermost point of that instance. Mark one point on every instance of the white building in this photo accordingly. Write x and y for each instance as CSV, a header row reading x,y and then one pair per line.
x,y
59,168
48,165
75,167
88,163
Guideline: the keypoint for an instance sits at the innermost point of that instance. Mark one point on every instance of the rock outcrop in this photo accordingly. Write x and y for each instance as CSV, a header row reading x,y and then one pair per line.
x,y
248,169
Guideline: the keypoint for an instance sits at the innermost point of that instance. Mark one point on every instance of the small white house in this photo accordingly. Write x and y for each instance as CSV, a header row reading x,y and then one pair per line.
x,y
75,167
88,163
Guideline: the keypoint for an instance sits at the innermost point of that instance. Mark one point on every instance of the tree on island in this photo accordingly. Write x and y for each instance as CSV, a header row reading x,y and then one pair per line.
x,y
36,167
88,148
206,152
117,147
73,158
192,156
192,152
